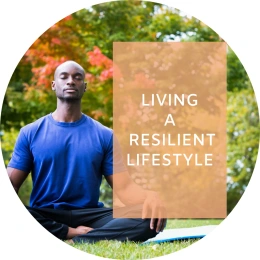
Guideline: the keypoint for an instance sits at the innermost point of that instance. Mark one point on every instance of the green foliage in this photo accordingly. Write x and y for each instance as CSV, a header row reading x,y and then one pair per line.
x,y
25,191
237,78
243,142
7,143
29,94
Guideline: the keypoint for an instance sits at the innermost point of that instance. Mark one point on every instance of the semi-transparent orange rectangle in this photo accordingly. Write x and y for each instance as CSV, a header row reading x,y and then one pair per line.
x,y
169,130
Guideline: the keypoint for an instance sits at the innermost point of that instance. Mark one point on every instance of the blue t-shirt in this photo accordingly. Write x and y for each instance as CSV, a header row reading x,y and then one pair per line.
x,y
66,160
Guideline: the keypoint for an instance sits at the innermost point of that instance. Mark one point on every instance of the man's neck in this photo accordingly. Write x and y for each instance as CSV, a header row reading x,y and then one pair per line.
x,y
67,112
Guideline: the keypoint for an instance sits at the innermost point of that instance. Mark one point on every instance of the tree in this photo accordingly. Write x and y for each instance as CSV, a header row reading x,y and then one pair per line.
x,y
87,37
243,142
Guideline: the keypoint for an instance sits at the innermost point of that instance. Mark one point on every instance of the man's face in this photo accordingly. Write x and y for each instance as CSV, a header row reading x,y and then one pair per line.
x,y
69,81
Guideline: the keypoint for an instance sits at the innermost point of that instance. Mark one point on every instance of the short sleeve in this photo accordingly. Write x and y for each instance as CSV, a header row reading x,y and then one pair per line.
x,y
113,160
22,158
107,162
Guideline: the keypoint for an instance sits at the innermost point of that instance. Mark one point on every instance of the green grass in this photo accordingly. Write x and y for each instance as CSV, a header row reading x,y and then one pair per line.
x,y
131,250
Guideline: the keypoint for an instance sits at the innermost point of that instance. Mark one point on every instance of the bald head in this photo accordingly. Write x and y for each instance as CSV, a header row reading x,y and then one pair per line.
x,y
66,64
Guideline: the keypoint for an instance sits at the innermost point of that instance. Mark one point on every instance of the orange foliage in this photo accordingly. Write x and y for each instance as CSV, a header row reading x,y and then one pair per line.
x,y
58,44
97,59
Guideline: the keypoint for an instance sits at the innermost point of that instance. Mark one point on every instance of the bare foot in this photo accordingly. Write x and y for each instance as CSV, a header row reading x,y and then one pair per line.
x,y
81,230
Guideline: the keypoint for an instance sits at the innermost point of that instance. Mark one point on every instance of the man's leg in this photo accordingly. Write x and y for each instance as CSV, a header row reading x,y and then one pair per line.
x,y
55,221
108,228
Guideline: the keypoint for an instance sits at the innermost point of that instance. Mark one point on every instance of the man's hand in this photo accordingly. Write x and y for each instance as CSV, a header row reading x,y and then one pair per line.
x,y
161,223
153,208
80,230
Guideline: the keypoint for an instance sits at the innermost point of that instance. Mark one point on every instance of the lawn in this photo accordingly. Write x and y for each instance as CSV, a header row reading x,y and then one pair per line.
x,y
130,250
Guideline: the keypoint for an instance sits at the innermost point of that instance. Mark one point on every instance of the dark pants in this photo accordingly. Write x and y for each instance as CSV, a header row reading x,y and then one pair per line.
x,y
105,227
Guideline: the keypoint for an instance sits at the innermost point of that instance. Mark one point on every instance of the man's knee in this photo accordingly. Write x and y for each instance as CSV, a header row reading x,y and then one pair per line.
x,y
146,229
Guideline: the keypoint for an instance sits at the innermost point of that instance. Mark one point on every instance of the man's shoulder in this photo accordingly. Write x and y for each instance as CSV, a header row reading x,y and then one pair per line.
x,y
98,126
34,125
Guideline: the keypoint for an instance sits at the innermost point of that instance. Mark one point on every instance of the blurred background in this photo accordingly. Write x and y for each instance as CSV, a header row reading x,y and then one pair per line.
x,y
87,37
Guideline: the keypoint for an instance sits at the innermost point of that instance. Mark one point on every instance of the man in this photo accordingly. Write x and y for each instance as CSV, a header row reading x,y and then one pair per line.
x,y
67,153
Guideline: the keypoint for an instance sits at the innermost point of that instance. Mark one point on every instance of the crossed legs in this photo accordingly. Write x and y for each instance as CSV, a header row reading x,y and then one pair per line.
x,y
100,221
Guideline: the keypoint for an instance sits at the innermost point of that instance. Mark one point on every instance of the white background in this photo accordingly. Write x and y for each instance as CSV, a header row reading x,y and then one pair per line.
x,y
22,22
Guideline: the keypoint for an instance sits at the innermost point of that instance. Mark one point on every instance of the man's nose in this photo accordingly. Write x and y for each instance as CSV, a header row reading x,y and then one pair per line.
x,y
70,81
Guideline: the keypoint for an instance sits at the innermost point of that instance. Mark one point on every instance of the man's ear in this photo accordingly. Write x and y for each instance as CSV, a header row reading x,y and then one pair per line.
x,y
53,85
85,86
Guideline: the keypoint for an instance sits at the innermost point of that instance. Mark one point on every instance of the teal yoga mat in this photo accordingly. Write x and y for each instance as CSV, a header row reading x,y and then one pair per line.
x,y
169,235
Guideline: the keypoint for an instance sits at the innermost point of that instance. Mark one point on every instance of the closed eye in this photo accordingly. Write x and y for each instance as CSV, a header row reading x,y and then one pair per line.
x,y
78,77
63,76
66,75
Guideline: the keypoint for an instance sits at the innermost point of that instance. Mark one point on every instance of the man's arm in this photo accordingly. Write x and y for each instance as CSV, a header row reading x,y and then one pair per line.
x,y
125,186
17,177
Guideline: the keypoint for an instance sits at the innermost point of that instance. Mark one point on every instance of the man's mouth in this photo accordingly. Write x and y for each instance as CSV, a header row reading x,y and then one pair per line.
x,y
71,90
